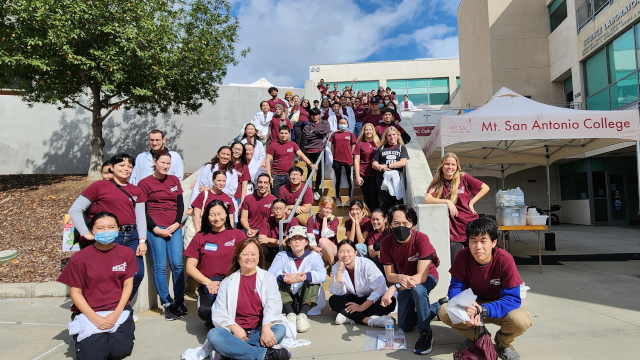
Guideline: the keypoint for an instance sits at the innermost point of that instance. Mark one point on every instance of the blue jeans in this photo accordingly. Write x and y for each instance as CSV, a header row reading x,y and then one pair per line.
x,y
226,344
358,129
130,239
363,250
161,248
414,308
236,215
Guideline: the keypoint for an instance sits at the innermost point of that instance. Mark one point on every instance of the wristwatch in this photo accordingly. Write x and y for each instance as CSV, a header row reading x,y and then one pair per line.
x,y
484,311
142,241
398,286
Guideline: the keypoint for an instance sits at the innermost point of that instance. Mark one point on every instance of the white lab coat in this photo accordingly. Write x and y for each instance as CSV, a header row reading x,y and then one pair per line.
x,y
393,184
401,107
313,263
258,150
144,167
350,116
223,312
261,122
369,281
205,180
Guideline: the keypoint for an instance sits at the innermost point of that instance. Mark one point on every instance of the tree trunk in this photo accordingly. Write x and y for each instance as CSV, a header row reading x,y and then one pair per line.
x,y
97,142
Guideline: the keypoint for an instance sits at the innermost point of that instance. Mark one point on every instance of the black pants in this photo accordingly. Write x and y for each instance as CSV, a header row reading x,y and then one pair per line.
x,y
370,192
337,168
376,260
313,157
279,181
339,303
387,200
205,302
116,345
270,252
455,247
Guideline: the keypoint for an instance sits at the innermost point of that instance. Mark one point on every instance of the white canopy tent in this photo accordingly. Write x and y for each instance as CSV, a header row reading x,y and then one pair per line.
x,y
261,83
512,129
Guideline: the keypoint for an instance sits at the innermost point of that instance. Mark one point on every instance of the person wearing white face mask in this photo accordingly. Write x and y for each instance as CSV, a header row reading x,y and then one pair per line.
x,y
342,144
357,289
100,280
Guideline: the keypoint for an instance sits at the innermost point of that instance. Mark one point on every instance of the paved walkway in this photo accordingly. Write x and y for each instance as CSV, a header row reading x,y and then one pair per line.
x,y
581,309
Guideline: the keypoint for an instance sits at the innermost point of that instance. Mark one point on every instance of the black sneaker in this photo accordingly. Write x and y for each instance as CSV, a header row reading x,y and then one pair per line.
x,y
208,325
170,312
182,310
506,353
277,354
424,345
220,357
443,301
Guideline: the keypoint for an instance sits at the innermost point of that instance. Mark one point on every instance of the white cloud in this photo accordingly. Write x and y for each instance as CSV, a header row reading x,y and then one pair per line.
x,y
435,42
448,6
287,36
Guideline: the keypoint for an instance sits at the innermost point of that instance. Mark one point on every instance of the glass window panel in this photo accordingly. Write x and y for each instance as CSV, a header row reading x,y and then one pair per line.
x,y
566,187
395,84
622,56
558,11
439,90
581,186
367,85
568,84
457,81
439,99
439,82
637,46
601,213
554,5
624,92
417,83
600,101
419,99
600,4
597,164
596,74
417,91
599,184
579,166
566,169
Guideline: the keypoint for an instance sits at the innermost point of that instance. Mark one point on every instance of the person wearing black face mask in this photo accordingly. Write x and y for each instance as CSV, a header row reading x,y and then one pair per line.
x,y
411,253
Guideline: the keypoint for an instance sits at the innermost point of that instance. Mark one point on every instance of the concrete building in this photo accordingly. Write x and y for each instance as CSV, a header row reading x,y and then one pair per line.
x,y
432,82
580,53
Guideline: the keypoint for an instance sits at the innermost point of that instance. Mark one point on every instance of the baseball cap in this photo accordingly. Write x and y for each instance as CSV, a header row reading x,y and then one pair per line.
x,y
298,231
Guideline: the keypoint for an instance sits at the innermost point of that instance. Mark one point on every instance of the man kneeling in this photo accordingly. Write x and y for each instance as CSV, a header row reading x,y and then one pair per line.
x,y
491,274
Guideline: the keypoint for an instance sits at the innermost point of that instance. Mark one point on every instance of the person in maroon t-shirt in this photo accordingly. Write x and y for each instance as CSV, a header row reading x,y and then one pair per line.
x,y
342,143
491,274
396,116
374,117
164,209
270,230
257,206
209,255
273,91
380,230
242,167
107,171
291,191
410,262
387,121
216,193
322,88
282,153
363,153
358,226
360,113
324,227
100,279
277,121
459,191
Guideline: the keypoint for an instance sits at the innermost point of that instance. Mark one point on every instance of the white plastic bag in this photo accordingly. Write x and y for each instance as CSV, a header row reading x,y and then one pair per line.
x,y
457,306
328,162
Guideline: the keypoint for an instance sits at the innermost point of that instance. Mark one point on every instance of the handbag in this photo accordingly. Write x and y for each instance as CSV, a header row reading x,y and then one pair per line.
x,y
482,349
189,228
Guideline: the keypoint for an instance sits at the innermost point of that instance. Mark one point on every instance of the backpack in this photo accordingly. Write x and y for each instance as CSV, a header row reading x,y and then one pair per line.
x,y
482,349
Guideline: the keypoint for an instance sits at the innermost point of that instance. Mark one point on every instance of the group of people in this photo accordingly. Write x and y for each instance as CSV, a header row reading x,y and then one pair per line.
x,y
237,203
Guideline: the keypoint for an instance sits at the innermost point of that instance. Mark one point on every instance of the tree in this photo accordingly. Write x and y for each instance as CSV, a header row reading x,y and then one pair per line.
x,y
153,56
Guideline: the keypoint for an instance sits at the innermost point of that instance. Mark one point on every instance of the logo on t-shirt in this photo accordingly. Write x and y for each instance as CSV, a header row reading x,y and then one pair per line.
x,y
413,258
461,190
347,137
290,150
230,243
135,198
121,267
174,189
268,206
495,282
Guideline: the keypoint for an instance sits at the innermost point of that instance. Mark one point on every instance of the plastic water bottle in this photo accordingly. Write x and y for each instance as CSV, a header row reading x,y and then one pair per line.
x,y
389,332
519,197
498,197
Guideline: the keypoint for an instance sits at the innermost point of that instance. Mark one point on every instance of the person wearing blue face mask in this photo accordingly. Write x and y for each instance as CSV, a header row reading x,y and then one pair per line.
x,y
342,144
100,280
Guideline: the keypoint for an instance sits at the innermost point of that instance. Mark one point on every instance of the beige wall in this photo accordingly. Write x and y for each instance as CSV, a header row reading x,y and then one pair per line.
x,y
389,70
504,43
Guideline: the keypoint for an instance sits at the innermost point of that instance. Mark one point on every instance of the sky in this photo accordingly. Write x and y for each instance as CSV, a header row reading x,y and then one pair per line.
x,y
287,36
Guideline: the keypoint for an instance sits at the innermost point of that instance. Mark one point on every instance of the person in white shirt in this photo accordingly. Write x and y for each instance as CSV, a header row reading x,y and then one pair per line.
x,y
406,105
348,114
222,161
262,119
357,289
144,161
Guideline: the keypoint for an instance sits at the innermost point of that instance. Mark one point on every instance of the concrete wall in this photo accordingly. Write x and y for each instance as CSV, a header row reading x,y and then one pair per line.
x,y
433,220
43,140
575,212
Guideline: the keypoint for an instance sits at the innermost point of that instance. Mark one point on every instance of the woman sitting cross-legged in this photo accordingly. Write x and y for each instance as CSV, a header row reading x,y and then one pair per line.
x,y
248,329
357,289
300,273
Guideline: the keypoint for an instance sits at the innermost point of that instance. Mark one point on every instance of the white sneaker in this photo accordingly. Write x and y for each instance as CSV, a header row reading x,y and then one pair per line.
x,y
291,318
316,196
347,204
135,318
341,319
302,323
379,321
338,202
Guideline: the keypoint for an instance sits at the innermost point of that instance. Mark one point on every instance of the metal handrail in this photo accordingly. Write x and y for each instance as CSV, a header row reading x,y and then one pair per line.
x,y
306,185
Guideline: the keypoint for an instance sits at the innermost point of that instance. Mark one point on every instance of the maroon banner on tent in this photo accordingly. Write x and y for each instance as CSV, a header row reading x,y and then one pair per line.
x,y
424,130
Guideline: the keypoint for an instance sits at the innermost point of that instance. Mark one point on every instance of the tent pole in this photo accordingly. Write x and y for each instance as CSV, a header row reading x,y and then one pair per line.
x,y
546,164
441,152
502,171
638,160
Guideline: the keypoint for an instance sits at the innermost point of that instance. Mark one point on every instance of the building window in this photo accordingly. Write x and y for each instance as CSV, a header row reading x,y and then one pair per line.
x,y
458,81
357,86
573,180
423,91
587,9
612,73
557,12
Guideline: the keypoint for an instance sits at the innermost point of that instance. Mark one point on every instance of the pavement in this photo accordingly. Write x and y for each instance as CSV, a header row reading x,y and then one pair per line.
x,y
581,310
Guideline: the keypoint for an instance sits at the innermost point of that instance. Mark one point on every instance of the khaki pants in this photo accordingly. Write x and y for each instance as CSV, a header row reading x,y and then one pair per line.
x,y
512,325
302,218
308,294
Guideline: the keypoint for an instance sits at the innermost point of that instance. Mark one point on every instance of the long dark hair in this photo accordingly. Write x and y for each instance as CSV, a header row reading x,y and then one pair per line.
x,y
386,229
308,108
117,159
256,137
235,265
242,159
213,162
206,228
